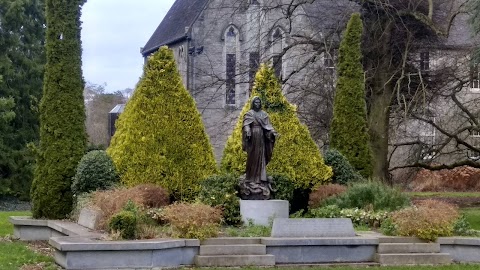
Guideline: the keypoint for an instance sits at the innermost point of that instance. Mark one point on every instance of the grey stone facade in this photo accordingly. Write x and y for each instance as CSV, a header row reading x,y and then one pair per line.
x,y
207,36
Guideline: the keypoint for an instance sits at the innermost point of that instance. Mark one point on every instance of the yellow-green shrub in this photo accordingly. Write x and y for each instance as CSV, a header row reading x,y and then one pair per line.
x,y
160,137
295,153
429,220
193,220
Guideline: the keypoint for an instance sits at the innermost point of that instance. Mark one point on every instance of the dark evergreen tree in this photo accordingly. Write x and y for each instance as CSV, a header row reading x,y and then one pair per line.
x,y
22,57
62,112
348,132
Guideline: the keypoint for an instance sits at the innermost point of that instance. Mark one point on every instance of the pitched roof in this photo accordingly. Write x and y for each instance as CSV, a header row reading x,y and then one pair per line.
x,y
182,14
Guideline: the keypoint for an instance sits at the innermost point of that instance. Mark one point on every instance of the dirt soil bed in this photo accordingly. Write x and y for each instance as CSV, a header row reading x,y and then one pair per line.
x,y
460,202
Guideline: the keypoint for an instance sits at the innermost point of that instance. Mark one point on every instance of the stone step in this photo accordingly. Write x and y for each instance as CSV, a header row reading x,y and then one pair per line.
x,y
399,239
254,249
235,260
231,241
414,259
388,248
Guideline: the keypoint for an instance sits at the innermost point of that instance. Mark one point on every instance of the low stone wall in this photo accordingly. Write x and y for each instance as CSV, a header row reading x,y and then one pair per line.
x,y
321,250
80,248
462,249
84,253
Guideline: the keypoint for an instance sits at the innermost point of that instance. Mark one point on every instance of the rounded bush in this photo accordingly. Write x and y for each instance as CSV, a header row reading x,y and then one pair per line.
x,y
95,171
124,222
343,171
324,192
222,190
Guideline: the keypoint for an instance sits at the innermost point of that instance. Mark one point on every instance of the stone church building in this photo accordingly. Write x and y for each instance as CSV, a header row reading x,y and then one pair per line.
x,y
219,45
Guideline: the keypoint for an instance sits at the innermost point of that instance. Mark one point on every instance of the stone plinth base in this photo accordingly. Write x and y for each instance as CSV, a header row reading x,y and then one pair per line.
x,y
261,212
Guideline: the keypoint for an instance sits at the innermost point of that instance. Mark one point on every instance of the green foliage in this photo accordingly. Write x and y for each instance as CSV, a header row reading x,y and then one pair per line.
x,y
95,171
160,137
388,227
359,217
283,186
124,222
221,190
296,154
370,195
348,131
62,112
473,217
463,228
22,58
343,172
250,230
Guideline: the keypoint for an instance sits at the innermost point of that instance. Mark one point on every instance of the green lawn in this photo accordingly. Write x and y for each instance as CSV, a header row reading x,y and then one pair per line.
x,y
446,267
473,217
14,254
6,227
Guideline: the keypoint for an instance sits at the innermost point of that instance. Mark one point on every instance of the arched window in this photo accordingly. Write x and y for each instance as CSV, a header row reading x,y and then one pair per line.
x,y
277,44
231,38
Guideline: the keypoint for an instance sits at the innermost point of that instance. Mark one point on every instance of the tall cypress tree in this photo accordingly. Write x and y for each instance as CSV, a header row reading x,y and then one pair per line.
x,y
62,112
160,137
348,131
295,153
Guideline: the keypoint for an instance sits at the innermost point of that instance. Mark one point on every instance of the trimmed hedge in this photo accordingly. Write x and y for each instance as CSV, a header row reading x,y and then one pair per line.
x,y
349,131
296,154
95,171
63,137
160,137
343,172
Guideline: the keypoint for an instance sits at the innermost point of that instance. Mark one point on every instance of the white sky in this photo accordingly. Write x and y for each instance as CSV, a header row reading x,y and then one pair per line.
x,y
112,33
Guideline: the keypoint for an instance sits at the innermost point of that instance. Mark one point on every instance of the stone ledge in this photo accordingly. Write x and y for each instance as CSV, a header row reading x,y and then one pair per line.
x,y
27,221
340,241
467,241
91,244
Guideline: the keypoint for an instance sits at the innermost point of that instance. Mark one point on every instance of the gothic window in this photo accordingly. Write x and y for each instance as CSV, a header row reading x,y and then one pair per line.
x,y
474,78
231,36
424,61
230,80
254,64
277,45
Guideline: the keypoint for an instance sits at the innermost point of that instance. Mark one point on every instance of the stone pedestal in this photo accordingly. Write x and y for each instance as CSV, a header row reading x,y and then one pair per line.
x,y
263,211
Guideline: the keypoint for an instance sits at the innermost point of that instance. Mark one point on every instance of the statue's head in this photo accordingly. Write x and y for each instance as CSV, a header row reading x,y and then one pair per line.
x,y
256,104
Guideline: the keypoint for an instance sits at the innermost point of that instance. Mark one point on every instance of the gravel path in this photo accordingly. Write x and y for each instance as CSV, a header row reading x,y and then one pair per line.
x,y
13,204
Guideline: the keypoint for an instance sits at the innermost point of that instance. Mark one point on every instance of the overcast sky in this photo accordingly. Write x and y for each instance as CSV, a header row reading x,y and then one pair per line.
x,y
112,33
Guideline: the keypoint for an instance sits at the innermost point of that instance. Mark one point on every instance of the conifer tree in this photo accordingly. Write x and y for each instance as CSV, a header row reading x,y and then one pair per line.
x,y
62,112
22,57
160,137
348,131
295,153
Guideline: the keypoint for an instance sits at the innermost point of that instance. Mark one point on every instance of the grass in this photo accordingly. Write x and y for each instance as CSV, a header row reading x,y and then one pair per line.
x,y
13,254
6,227
444,194
473,217
443,267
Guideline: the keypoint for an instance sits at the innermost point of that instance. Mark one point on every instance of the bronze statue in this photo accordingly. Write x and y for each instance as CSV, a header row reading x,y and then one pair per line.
x,y
258,141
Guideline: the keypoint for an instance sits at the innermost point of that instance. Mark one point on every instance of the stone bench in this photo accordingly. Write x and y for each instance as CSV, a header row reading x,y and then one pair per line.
x,y
91,253
29,229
